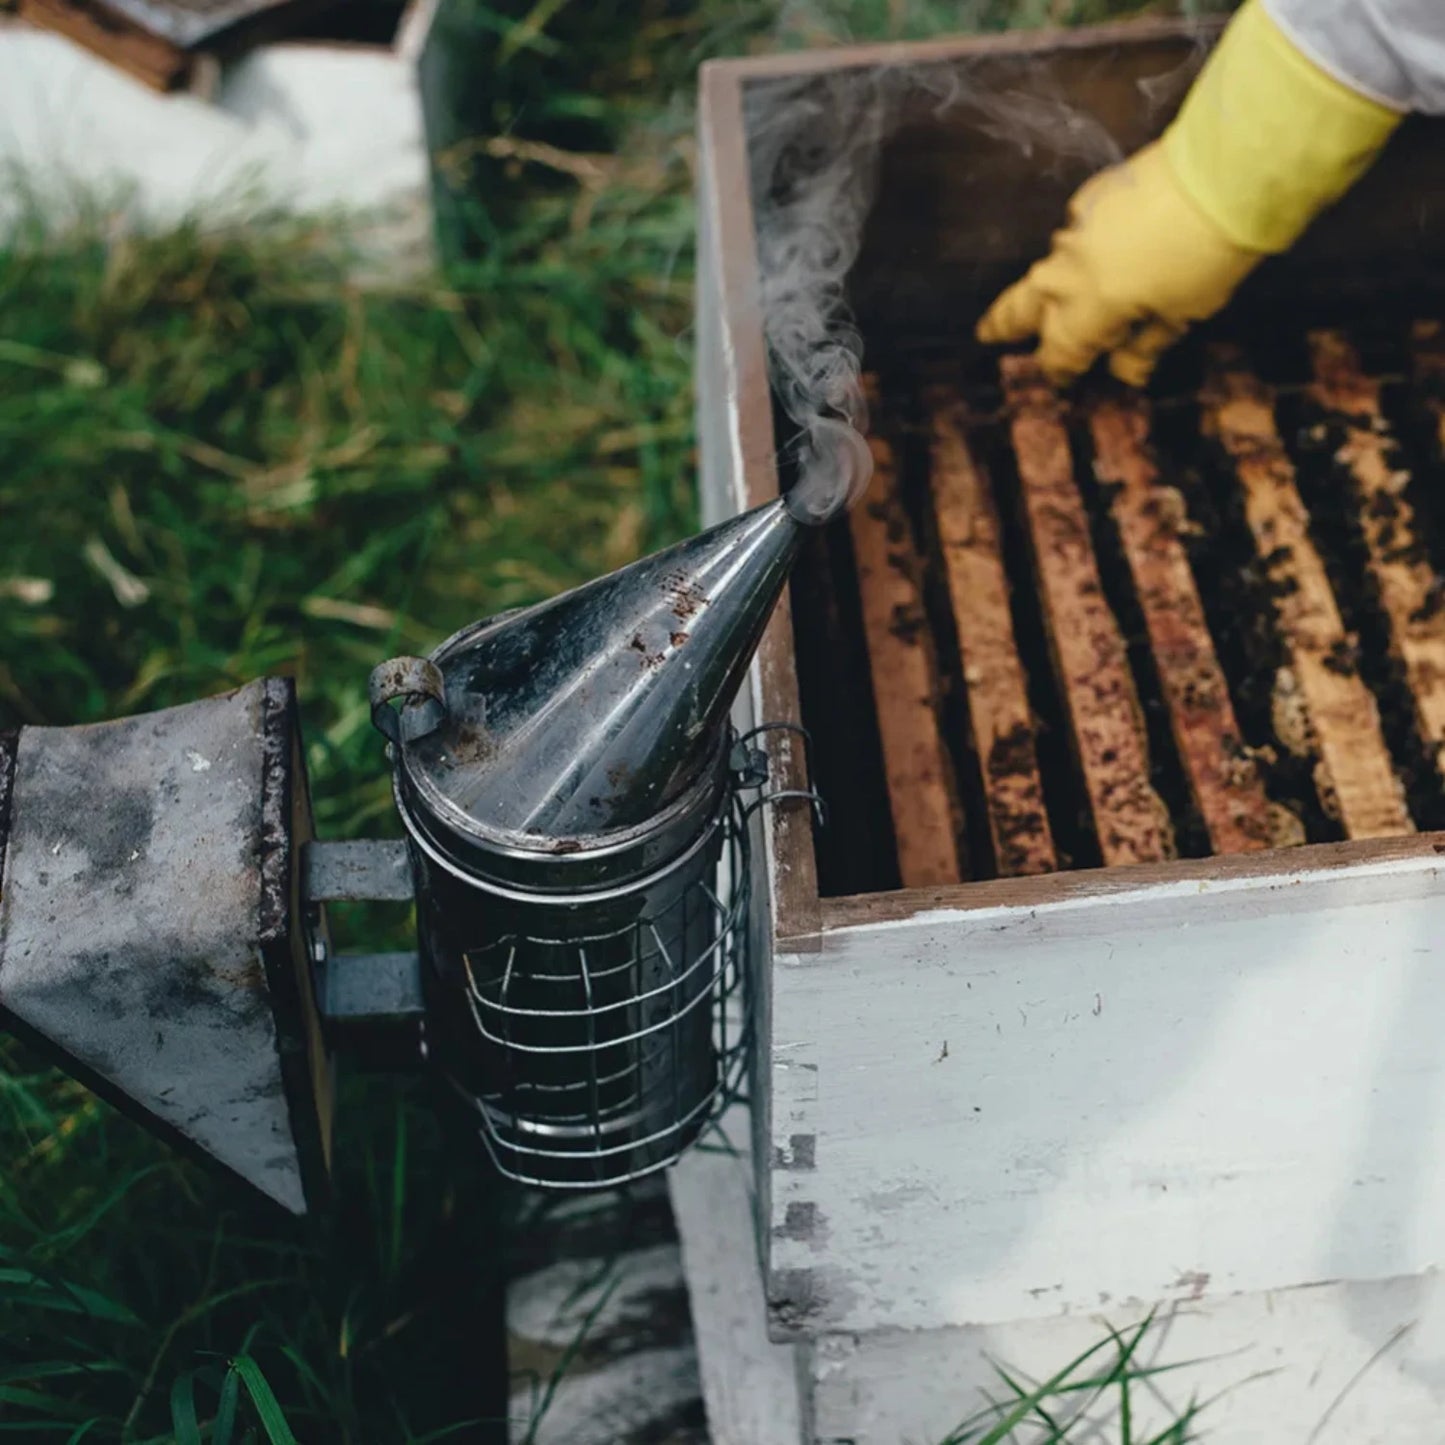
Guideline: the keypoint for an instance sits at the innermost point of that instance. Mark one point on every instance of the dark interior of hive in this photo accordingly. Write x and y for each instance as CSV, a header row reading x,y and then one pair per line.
x,y
1110,627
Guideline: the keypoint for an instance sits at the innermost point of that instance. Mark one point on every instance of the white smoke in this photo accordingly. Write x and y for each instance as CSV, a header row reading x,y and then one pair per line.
x,y
816,142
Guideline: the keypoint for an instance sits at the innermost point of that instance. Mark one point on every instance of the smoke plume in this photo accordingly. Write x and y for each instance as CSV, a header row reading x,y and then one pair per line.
x,y
816,143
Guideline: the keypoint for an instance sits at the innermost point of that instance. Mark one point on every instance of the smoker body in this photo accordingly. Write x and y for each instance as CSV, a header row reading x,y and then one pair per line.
x,y
569,783
582,1024
994,1116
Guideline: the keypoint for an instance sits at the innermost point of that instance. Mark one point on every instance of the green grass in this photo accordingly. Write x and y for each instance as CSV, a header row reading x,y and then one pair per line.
x,y
1107,1387
220,459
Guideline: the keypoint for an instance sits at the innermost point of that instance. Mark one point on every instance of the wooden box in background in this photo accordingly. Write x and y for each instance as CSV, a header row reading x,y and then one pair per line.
x,y
345,120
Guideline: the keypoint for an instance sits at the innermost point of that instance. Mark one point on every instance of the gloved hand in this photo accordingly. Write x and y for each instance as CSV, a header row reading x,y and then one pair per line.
x,y
1136,264
1265,140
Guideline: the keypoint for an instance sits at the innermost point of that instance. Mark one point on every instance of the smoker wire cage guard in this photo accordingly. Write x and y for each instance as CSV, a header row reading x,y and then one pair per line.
x,y
571,788
615,1050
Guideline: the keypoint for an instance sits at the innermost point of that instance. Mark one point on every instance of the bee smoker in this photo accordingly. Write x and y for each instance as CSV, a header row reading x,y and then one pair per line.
x,y
568,782
572,795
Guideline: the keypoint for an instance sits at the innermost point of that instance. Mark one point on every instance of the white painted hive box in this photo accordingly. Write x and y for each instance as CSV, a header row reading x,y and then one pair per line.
x,y
989,1110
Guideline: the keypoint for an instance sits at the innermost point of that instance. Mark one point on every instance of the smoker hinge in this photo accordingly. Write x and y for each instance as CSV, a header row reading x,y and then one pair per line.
x,y
366,987
371,1002
371,870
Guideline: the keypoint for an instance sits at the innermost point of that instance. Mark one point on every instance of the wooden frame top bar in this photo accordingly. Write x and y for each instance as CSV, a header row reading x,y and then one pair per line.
x,y
999,715
927,820
1409,587
1106,721
1355,776
1223,779
1048,40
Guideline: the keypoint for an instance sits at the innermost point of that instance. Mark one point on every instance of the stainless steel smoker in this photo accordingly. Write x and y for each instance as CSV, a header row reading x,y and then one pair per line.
x,y
570,791
575,805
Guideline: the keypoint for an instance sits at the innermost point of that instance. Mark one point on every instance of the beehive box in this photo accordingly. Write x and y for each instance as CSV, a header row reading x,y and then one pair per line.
x,y
1113,981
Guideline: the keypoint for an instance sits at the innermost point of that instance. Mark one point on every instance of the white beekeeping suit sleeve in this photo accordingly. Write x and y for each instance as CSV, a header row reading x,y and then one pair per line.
x,y
1392,51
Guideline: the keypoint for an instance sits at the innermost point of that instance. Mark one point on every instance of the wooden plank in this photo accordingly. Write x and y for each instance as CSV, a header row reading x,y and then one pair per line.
x,y
750,1385
1223,779
998,704
926,819
191,25
1340,722
1106,721
1126,889
737,455
1155,1075
1409,587
600,1348
148,58
1427,353
1160,36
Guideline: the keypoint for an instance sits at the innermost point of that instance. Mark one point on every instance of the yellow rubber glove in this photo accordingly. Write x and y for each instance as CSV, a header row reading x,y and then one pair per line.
x,y
1264,142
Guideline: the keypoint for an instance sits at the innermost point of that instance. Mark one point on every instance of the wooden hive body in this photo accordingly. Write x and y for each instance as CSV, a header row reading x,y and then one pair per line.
x,y
991,1114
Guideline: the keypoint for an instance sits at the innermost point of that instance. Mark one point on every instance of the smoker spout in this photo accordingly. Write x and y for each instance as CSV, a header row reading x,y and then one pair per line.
x,y
594,711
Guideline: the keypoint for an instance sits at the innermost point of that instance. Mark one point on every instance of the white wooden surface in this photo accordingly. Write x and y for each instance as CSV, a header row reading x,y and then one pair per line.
x,y
307,127
611,1399
599,1339
750,1385
1183,1093
1344,1364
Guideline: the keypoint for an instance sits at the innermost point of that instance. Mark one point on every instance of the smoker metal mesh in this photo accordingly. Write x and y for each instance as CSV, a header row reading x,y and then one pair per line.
x,y
617,1053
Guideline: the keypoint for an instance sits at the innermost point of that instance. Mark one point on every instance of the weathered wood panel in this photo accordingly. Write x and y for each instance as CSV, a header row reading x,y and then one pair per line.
x,y
1106,722
998,704
1321,1365
750,1385
1221,1088
737,457
311,128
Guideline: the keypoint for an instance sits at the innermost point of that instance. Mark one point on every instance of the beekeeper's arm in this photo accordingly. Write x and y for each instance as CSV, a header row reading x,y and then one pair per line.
x,y
1289,111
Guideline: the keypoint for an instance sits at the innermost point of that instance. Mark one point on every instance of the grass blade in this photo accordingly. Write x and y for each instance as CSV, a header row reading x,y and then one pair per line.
x,y
225,1426
183,1410
1023,1408
268,1408
55,1369
1021,1392
37,1289
1181,1432
39,1401
398,1195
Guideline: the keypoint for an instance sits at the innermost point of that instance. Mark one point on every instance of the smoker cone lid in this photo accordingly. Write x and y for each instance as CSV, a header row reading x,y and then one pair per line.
x,y
574,725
